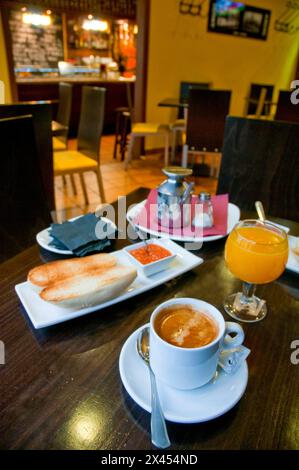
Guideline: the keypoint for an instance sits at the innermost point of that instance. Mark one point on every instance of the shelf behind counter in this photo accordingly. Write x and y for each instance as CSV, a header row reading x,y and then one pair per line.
x,y
46,88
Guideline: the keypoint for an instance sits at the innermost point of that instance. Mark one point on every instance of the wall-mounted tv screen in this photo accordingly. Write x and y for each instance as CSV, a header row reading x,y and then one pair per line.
x,y
238,19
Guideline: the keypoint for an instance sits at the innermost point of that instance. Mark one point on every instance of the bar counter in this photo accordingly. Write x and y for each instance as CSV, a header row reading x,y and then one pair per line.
x,y
46,88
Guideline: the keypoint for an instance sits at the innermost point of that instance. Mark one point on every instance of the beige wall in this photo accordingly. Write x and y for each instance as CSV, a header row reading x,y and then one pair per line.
x,y
180,48
4,76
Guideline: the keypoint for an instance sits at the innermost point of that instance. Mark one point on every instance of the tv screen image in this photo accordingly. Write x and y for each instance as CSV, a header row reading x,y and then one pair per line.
x,y
228,14
252,22
238,19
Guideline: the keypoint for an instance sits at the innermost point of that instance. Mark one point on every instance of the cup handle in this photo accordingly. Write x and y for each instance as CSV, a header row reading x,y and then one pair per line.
x,y
230,342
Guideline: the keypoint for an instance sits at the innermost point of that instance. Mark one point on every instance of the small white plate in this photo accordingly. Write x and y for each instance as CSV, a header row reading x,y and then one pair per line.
x,y
181,406
293,261
233,218
43,314
44,238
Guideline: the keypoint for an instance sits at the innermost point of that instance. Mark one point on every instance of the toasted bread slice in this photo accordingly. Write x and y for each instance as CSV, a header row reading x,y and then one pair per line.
x,y
89,288
56,271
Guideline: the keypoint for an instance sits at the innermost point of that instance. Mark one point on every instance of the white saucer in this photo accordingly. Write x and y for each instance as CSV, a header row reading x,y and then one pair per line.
x,y
233,218
44,238
194,406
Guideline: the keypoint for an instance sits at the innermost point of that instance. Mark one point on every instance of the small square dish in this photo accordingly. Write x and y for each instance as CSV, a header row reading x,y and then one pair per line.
x,y
150,257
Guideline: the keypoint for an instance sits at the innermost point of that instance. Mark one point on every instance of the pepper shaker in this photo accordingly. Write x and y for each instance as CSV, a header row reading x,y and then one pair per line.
x,y
207,219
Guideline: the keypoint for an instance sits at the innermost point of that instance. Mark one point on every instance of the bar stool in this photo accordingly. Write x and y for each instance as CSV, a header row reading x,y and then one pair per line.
x,y
126,129
119,128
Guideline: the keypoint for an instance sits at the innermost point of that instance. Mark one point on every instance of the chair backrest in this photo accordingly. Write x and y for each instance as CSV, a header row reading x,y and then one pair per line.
x,y
206,119
65,103
184,92
286,110
23,205
254,93
42,116
260,161
185,87
91,121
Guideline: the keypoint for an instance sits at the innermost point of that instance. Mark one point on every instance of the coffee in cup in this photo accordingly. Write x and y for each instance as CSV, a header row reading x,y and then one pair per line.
x,y
184,326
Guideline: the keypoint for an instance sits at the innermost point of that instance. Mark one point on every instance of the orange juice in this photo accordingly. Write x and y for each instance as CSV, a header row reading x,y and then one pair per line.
x,y
256,254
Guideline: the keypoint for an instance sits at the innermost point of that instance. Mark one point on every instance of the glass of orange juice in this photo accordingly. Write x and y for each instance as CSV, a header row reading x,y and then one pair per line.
x,y
256,253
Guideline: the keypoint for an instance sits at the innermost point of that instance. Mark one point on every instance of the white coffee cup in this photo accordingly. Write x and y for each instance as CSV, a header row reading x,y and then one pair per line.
x,y
189,368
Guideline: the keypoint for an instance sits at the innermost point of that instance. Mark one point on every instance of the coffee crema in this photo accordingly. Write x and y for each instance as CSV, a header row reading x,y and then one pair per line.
x,y
185,327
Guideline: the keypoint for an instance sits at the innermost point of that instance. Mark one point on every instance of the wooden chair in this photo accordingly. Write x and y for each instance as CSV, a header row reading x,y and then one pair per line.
x,y
286,110
60,127
205,123
254,98
23,203
42,114
179,125
145,129
87,155
260,162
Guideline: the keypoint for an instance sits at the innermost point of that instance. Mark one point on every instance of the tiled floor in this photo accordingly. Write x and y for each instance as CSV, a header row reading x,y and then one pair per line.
x,y
117,182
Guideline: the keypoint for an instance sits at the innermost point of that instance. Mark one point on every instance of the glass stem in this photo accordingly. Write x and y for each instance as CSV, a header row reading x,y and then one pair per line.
x,y
248,291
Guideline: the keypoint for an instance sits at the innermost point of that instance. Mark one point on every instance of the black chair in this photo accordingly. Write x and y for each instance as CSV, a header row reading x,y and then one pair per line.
x,y
42,115
60,127
179,125
286,110
205,123
254,96
260,161
23,204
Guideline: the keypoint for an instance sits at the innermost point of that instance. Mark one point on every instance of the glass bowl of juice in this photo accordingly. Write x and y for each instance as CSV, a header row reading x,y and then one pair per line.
x,y
256,253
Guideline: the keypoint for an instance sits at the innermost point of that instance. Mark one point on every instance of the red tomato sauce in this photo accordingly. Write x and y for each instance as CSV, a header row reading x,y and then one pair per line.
x,y
150,253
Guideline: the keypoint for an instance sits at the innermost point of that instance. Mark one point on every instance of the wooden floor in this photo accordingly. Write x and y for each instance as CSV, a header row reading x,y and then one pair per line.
x,y
117,182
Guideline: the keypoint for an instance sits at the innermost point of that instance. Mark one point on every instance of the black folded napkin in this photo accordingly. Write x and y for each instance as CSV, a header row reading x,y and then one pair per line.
x,y
82,236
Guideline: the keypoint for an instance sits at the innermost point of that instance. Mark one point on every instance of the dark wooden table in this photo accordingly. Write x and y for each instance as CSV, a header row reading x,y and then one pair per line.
x,y
60,386
173,103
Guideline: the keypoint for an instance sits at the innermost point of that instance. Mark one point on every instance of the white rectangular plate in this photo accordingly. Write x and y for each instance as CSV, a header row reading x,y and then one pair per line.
x,y
293,261
43,314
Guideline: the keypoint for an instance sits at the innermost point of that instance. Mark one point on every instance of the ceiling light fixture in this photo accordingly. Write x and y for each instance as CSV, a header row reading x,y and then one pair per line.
x,y
36,20
95,25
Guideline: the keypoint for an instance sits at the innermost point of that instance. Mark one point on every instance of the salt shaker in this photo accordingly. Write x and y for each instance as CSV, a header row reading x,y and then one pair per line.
x,y
207,209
